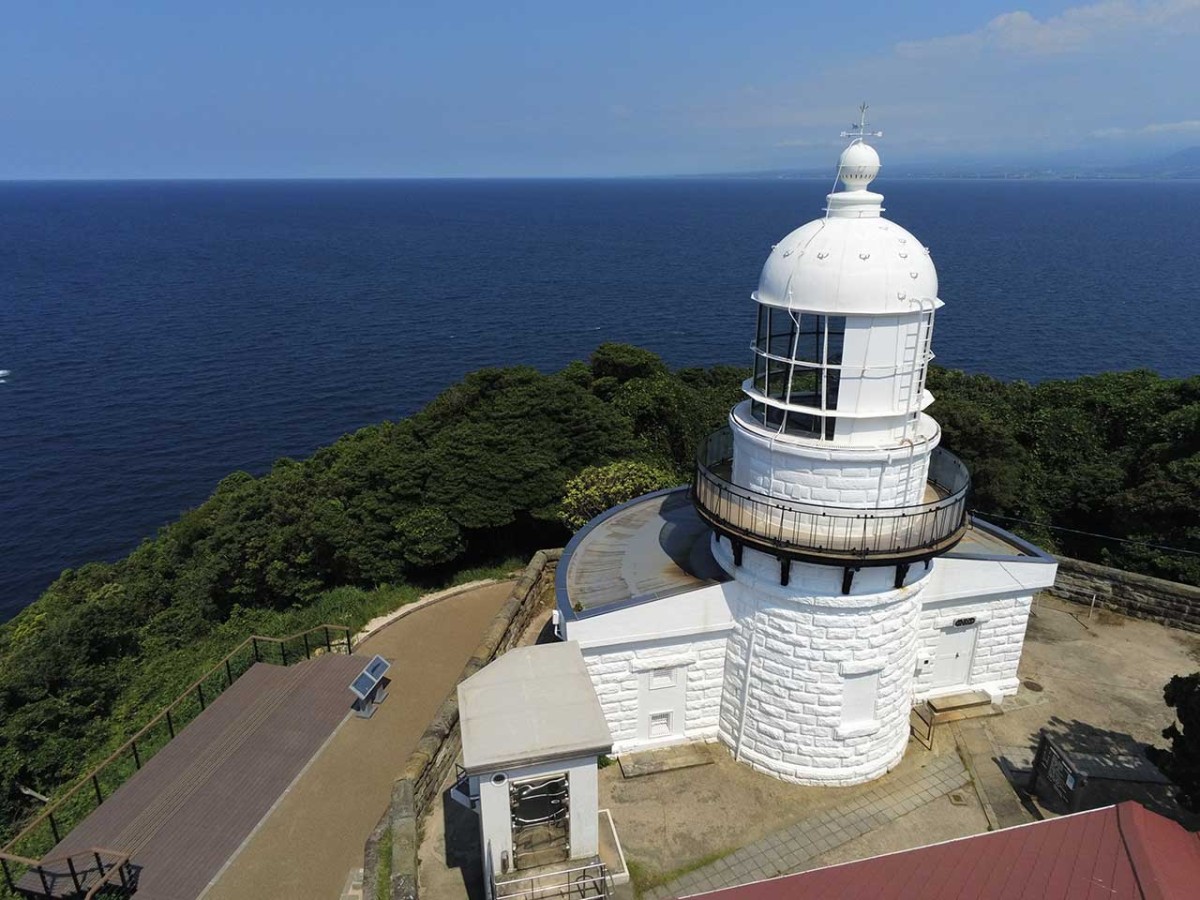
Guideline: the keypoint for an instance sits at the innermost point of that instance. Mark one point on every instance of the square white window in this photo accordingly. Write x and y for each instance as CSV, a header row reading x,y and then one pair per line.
x,y
859,693
662,678
660,725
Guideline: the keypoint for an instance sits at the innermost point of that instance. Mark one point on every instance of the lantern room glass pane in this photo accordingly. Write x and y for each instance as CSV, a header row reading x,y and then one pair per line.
x,y
803,424
763,329
808,347
833,382
777,379
806,387
783,333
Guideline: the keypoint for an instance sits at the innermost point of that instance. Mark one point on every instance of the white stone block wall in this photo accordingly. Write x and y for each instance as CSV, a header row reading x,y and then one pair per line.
x,y
855,479
1001,623
618,673
786,665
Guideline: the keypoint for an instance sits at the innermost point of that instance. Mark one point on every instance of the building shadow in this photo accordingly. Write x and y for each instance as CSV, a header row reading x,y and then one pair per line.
x,y
463,850
1106,767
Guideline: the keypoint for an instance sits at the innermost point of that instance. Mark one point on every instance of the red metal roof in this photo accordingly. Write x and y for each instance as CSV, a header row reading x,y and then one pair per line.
x,y
1120,852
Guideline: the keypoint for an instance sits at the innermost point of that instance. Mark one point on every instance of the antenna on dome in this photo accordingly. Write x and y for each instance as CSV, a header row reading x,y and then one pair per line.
x,y
859,131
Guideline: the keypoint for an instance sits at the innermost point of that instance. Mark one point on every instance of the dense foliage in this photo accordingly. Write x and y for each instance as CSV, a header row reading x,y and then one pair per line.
x,y
480,474
1181,761
598,488
1116,454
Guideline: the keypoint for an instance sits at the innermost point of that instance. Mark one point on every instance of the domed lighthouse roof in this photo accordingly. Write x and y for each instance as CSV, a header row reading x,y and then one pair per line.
x,y
852,261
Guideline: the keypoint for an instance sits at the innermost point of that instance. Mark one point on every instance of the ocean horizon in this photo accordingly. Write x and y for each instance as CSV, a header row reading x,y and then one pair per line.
x,y
162,334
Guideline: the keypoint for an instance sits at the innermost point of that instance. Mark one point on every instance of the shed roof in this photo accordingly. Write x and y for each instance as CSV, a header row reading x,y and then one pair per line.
x,y
531,705
1120,852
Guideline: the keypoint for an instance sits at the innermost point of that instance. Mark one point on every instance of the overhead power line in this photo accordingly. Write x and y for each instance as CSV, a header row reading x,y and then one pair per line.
x,y
1092,534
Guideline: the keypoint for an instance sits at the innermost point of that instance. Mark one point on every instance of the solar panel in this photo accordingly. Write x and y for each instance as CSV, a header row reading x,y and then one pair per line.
x,y
366,682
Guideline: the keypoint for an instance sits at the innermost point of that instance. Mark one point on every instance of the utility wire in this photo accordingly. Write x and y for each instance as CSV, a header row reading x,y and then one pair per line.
x,y
1106,537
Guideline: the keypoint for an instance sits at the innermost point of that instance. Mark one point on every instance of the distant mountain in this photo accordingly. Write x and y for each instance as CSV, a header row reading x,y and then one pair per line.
x,y
1182,164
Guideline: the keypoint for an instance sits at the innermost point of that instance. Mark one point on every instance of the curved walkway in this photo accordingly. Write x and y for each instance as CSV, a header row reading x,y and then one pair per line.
x,y
306,846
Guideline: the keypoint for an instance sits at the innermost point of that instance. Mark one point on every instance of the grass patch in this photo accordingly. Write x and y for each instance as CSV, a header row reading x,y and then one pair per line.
x,y
643,879
383,874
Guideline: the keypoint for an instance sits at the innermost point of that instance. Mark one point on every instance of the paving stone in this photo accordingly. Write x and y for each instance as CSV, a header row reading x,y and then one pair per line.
x,y
792,848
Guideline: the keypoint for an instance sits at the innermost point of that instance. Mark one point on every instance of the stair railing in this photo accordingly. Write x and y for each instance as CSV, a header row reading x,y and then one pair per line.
x,y
90,790
117,868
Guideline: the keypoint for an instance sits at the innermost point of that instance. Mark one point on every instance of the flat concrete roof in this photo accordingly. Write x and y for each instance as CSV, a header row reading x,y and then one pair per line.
x,y
531,705
985,539
654,546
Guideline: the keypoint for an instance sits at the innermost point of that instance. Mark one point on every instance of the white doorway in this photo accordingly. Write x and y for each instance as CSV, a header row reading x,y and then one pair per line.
x,y
953,656
661,703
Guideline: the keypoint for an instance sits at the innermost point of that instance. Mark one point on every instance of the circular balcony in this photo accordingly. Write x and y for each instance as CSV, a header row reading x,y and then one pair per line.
x,y
833,535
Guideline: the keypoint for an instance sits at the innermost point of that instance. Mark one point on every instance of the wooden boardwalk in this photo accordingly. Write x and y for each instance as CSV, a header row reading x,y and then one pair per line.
x,y
189,809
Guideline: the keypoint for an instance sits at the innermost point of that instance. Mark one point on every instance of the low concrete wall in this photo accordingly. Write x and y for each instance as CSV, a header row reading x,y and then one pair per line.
x,y
417,788
1139,596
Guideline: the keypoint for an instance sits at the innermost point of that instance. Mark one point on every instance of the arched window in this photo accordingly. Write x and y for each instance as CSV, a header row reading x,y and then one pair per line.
x,y
797,363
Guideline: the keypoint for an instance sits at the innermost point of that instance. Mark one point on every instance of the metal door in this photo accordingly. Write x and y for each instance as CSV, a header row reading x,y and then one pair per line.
x,y
541,817
952,660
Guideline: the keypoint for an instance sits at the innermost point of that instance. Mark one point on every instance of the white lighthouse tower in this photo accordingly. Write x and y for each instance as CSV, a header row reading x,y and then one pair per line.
x,y
820,577
828,495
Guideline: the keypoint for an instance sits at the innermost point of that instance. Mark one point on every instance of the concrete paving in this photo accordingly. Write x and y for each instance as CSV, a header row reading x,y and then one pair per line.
x,y
694,829
315,835
797,847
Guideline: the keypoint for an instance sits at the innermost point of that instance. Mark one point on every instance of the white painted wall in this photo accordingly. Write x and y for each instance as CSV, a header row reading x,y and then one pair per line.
x,y
783,708
807,638
848,476
495,819
882,365
624,676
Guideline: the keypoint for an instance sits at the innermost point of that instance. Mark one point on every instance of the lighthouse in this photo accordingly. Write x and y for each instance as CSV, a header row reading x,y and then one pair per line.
x,y
828,494
821,575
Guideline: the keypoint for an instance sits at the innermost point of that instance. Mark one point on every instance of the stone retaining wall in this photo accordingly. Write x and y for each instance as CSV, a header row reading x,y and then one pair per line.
x,y
418,787
1140,596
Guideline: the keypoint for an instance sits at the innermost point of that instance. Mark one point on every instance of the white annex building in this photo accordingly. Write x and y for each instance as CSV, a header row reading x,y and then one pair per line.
x,y
821,575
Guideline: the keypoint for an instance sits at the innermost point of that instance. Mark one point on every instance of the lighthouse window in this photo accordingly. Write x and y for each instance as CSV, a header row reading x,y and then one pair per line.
x,y
764,329
806,387
760,374
797,362
777,379
783,333
808,346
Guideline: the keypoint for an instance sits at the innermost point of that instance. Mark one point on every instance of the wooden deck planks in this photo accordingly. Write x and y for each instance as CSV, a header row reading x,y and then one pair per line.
x,y
189,809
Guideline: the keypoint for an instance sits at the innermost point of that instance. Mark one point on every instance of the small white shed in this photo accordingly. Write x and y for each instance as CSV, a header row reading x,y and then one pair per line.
x,y
532,732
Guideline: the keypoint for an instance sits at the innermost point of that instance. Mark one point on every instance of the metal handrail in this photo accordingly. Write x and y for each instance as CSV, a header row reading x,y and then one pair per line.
x,y
195,689
823,532
559,883
116,869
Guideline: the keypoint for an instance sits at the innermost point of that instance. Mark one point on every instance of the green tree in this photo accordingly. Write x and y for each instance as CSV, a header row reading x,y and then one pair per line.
x,y
428,537
598,488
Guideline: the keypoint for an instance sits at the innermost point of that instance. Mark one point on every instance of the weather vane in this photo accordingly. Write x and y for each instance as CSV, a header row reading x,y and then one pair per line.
x,y
859,131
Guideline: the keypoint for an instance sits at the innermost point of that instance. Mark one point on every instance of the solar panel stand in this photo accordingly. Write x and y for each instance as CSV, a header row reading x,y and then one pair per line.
x,y
368,687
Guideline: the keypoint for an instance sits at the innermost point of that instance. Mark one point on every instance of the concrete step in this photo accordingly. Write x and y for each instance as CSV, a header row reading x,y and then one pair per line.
x,y
964,700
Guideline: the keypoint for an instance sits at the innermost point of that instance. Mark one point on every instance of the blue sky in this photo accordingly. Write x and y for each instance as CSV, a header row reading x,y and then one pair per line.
x,y
320,89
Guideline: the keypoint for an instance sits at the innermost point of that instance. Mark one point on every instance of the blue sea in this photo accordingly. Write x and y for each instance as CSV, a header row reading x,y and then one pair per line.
x,y
162,335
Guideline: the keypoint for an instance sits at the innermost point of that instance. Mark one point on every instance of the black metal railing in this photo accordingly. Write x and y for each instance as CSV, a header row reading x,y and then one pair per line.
x,y
69,808
813,531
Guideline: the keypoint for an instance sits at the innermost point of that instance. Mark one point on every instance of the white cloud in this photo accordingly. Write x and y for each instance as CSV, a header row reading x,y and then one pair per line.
x,y
1075,29
1186,126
